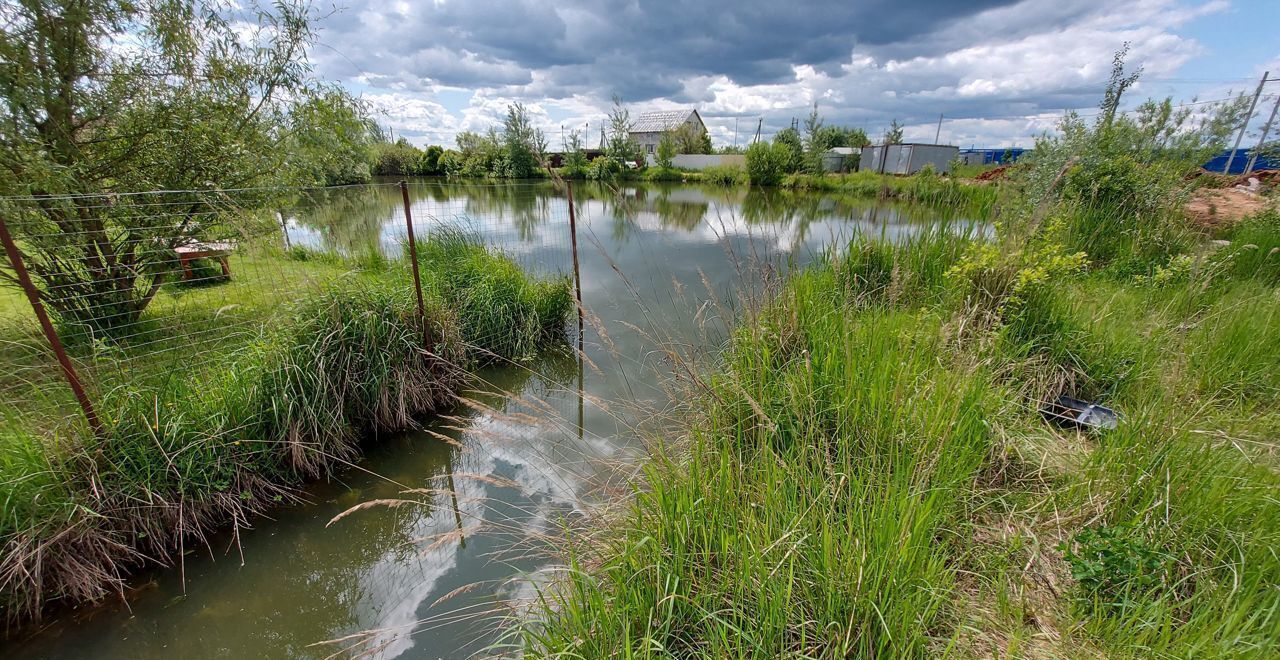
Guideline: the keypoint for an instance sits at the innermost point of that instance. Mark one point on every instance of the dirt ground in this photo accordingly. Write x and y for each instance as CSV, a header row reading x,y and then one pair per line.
x,y
1214,208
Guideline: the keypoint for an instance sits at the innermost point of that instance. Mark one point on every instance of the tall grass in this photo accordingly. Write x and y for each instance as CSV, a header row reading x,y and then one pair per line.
x,y
868,467
1254,252
1213,512
502,313
184,455
921,188
818,509
723,175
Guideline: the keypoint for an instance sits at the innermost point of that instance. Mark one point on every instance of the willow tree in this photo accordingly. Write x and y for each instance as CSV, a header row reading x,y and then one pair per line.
x,y
104,97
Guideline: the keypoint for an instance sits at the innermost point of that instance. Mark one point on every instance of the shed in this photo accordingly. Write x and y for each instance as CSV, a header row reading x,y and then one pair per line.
x,y
839,159
907,158
648,129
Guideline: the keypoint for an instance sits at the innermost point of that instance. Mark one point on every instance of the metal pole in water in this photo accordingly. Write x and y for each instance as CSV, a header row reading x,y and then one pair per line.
x,y
413,258
33,296
577,272
577,294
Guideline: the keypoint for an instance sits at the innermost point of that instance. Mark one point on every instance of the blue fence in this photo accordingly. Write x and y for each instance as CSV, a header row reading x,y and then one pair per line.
x,y
991,156
1001,156
1238,163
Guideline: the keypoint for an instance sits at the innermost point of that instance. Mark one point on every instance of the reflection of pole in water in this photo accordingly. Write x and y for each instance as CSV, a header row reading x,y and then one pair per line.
x,y
453,495
577,292
580,389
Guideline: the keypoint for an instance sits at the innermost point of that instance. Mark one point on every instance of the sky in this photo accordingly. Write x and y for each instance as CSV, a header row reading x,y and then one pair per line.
x,y
1000,72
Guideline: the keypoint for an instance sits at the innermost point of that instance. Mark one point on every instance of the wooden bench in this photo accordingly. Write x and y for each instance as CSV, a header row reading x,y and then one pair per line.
x,y
217,250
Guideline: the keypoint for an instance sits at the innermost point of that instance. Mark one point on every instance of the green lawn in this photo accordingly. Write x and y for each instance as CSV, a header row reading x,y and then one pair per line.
x,y
185,330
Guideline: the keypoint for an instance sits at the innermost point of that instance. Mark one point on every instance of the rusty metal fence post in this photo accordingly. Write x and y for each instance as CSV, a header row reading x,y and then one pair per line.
x,y
577,294
51,335
413,258
577,272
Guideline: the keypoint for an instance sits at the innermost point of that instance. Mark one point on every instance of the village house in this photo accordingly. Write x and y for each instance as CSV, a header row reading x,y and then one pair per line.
x,y
649,127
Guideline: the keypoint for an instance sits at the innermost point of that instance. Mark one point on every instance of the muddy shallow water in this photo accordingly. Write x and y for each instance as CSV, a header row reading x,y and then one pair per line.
x,y
473,502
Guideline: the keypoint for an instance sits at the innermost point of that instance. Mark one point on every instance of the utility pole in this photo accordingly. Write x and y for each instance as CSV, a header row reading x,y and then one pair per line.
x,y
1266,128
759,126
1248,115
735,131
937,134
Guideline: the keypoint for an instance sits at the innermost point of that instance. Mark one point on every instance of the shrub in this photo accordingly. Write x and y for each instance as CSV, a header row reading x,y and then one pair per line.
x,y
603,168
724,175
767,163
666,151
663,174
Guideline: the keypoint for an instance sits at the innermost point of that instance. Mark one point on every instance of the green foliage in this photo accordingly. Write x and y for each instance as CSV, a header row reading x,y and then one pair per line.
x,y
603,168
575,157
516,152
399,158
767,163
430,164
820,138
1009,281
666,151
1234,350
502,312
1125,177
1116,569
893,134
620,147
914,270
663,174
523,145
116,96
724,175
330,137
790,139
691,139
838,136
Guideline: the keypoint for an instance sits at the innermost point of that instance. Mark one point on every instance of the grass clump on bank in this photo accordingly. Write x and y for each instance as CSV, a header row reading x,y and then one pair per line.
x,y
816,510
186,453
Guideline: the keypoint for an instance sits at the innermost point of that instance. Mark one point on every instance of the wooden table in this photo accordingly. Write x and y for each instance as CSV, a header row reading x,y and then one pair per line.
x,y
197,250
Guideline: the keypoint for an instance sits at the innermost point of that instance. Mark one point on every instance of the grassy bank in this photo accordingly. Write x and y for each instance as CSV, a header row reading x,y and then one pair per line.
x,y
922,188
868,473
185,452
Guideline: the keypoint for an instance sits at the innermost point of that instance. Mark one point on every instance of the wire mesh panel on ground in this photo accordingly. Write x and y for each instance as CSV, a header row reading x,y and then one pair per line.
x,y
147,290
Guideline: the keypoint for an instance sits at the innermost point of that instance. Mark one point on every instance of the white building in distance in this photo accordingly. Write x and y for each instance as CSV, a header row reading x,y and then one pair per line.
x,y
649,127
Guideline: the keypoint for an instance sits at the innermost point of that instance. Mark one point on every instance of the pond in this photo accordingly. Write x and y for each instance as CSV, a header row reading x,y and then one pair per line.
x,y
430,573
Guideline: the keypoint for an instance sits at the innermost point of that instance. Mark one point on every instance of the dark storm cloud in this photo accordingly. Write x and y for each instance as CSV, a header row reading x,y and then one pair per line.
x,y
638,50
863,63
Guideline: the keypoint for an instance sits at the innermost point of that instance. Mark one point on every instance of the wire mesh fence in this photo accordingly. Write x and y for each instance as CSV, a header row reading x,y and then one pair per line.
x,y
146,289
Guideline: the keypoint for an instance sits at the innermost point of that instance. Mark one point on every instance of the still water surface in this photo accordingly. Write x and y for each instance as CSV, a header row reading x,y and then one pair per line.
x,y
662,267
